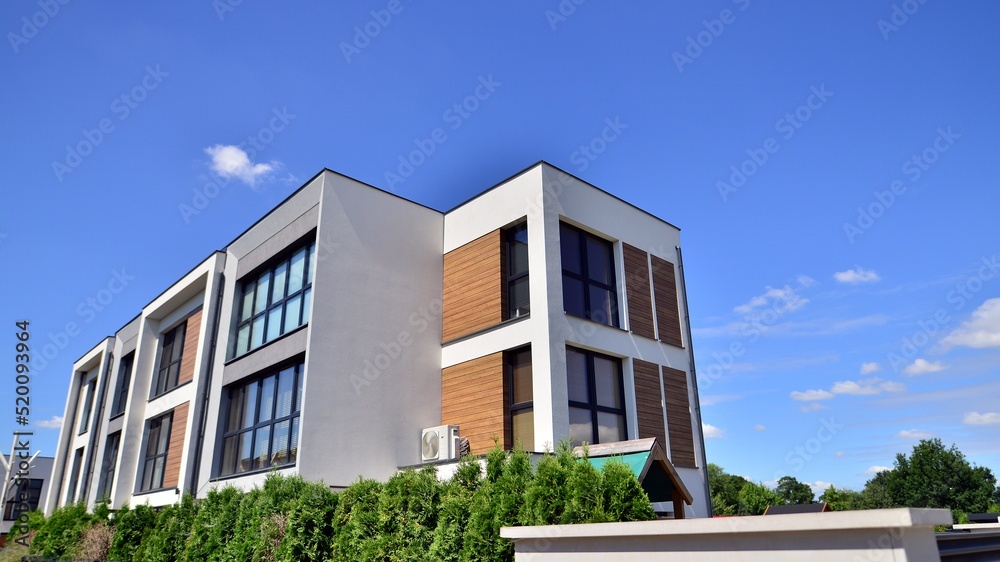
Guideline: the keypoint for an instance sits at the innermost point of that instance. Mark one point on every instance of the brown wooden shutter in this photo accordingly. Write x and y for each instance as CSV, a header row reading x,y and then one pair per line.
x,y
679,423
175,449
648,400
473,289
474,397
189,353
668,318
637,291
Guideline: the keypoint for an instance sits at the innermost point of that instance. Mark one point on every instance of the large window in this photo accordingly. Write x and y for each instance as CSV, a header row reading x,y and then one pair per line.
x,y
108,465
261,428
74,476
124,379
275,301
596,397
33,488
516,274
522,416
87,405
172,347
588,276
155,457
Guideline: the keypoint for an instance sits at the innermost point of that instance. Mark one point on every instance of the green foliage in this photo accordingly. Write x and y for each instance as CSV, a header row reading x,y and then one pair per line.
x,y
545,497
585,501
36,519
624,498
408,512
725,490
61,534
309,532
213,525
755,498
791,491
496,504
876,494
453,514
250,542
165,542
356,521
842,499
132,526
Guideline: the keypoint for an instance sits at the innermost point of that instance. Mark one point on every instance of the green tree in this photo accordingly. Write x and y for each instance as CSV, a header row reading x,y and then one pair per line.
x,y
755,498
842,499
132,526
725,490
791,491
876,493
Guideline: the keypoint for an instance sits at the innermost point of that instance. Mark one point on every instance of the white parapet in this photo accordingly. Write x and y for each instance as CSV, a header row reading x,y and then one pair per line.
x,y
867,535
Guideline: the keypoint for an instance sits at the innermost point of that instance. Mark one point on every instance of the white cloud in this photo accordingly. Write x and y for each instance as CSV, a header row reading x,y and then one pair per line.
x,y
975,418
856,275
982,330
819,486
810,395
712,432
922,366
840,454
812,407
759,427
54,423
782,300
805,280
231,161
875,469
914,434
866,387
713,399
869,368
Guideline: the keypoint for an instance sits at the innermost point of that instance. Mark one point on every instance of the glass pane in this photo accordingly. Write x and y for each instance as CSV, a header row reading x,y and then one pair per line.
x,y
580,427
229,455
263,284
298,270
606,382
611,427
172,375
257,334
164,437
266,399
167,351
293,448
147,477
599,261
292,308
521,365
601,306
235,409
576,376
312,262
279,451
157,480
179,333
285,381
243,339
260,448
247,301
249,405
246,460
298,398
569,241
278,287
153,439
517,254
523,423
306,304
273,323
517,296
573,302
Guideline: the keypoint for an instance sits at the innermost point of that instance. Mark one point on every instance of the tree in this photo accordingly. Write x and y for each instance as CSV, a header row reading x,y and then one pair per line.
x,y
790,490
842,499
755,498
725,490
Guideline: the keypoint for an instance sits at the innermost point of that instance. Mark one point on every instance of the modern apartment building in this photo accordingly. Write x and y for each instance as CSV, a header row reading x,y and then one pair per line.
x,y
328,336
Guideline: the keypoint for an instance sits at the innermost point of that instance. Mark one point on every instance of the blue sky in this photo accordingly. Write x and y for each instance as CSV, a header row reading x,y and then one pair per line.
x,y
832,166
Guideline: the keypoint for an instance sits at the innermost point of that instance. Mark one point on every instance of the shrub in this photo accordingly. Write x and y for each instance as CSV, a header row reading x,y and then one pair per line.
x,y
309,532
408,513
453,513
356,521
213,525
96,542
60,535
496,504
624,498
165,543
276,496
545,497
131,527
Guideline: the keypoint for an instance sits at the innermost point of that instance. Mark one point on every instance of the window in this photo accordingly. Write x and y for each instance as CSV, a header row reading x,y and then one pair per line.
x,y
261,427
588,276
516,242
15,505
124,379
108,465
522,416
276,301
596,397
155,457
87,405
170,359
74,476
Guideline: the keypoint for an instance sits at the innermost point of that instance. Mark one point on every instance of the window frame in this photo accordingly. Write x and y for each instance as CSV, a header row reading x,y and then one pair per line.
x,y
90,389
510,279
177,335
613,321
512,406
594,406
252,281
234,398
109,466
148,460
74,476
123,384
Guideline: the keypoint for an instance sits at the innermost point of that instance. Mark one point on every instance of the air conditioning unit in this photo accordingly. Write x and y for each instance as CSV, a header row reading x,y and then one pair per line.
x,y
439,443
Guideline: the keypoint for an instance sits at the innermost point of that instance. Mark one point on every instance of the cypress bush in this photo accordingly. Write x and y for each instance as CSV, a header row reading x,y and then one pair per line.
x,y
61,534
309,531
213,525
408,513
254,538
165,543
131,528
453,515
624,498
356,521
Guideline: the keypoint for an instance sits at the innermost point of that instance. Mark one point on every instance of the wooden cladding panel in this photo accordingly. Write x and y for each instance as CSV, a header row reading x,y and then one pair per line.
x,y
189,353
638,292
648,400
474,397
473,292
175,449
675,389
668,318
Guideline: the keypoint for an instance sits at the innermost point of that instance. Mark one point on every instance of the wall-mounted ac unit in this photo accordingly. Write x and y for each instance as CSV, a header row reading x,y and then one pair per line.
x,y
439,443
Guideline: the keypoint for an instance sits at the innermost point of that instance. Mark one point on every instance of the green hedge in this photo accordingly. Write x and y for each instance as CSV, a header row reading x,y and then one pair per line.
x,y
412,516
